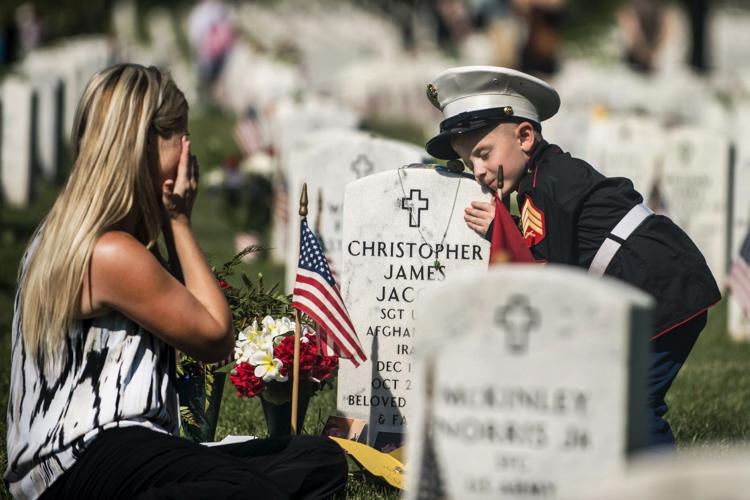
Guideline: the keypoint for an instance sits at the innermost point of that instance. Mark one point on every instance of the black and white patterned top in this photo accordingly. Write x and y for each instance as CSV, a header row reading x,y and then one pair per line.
x,y
116,375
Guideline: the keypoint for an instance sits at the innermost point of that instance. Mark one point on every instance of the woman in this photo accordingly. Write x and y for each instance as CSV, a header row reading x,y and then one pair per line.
x,y
92,411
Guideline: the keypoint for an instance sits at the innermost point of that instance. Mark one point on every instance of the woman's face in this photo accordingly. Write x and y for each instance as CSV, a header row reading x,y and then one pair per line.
x,y
167,157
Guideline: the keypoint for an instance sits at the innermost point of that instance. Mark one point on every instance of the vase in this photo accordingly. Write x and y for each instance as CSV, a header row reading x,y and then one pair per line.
x,y
205,413
277,407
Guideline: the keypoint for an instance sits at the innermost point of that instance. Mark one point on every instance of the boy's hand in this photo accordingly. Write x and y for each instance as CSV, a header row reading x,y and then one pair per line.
x,y
479,216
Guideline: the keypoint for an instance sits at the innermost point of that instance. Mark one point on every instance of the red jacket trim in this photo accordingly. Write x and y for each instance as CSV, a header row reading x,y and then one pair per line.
x,y
667,330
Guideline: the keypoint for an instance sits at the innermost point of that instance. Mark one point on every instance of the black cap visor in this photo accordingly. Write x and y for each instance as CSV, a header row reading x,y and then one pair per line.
x,y
440,146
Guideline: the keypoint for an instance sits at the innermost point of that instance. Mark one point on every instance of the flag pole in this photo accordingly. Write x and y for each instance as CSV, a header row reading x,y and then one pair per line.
x,y
297,331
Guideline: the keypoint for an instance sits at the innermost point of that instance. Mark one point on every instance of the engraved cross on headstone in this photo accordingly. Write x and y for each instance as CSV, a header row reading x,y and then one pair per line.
x,y
415,212
362,166
518,318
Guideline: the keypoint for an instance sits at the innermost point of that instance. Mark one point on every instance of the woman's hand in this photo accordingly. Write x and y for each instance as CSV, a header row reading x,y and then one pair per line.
x,y
479,216
178,195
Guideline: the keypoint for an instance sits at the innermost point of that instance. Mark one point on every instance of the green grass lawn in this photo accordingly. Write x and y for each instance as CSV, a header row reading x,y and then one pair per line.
x,y
710,400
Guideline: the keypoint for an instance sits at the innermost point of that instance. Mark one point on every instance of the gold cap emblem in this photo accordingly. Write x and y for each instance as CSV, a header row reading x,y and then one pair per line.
x,y
432,95
508,110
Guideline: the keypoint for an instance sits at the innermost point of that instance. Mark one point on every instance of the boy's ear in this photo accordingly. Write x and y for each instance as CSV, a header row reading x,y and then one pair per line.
x,y
525,136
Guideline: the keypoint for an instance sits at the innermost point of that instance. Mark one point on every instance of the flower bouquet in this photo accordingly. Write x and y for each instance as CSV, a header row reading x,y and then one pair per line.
x,y
264,358
264,348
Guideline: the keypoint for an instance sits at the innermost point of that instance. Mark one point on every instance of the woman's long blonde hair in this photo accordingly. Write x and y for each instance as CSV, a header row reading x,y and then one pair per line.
x,y
121,111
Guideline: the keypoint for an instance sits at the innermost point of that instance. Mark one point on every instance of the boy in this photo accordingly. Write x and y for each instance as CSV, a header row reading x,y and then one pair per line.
x,y
570,213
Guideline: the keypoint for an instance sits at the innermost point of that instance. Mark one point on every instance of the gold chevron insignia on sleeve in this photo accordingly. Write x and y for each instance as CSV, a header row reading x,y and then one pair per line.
x,y
532,222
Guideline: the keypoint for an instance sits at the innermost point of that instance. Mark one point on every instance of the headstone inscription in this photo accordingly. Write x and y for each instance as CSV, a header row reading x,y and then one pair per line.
x,y
403,233
695,191
16,160
340,158
528,379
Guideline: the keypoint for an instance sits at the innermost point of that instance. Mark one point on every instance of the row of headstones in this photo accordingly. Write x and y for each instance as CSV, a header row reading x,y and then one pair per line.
x,y
696,176
355,54
501,381
38,101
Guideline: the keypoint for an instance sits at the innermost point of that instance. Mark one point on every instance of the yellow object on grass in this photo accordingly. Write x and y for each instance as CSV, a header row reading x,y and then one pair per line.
x,y
375,462
398,454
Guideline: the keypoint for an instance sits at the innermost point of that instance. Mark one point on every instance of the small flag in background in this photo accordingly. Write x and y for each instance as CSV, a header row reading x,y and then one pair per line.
x,y
739,277
248,133
317,295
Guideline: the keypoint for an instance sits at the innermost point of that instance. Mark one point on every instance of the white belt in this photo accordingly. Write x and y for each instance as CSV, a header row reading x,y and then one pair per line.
x,y
622,230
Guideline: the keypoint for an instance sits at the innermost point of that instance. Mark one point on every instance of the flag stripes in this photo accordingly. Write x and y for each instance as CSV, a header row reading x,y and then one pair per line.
x,y
315,298
739,282
316,294
739,277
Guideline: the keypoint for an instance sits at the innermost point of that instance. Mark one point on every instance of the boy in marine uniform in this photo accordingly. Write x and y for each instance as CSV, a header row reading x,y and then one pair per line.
x,y
570,213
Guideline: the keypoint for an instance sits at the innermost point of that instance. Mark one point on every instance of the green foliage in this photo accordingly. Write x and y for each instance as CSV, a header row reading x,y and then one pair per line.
x,y
585,20
709,401
248,301
252,300
402,130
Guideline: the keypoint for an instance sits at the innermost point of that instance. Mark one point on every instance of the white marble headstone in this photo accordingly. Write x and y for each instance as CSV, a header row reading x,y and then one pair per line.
x,y
16,142
290,124
47,125
529,379
291,121
569,129
396,225
286,205
339,159
695,189
626,146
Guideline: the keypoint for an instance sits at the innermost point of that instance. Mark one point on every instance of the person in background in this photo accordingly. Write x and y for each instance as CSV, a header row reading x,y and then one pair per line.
x,y
544,19
211,34
642,24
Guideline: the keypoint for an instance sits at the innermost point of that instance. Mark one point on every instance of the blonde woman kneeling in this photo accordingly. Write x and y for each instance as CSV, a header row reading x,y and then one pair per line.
x,y
92,411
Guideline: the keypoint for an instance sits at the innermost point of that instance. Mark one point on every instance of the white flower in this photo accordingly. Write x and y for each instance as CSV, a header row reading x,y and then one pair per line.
x,y
267,367
249,334
249,341
276,327
284,325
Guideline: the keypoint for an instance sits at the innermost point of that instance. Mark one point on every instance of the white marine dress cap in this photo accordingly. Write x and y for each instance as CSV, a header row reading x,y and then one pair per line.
x,y
473,97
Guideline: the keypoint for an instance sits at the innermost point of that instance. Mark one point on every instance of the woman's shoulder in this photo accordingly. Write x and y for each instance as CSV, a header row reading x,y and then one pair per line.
x,y
119,250
115,244
120,265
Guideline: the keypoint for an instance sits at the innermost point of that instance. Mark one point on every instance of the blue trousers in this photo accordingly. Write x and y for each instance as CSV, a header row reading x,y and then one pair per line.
x,y
668,354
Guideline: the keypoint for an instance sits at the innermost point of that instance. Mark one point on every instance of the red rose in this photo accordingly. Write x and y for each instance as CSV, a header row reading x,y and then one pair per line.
x,y
223,284
284,352
308,355
326,367
244,379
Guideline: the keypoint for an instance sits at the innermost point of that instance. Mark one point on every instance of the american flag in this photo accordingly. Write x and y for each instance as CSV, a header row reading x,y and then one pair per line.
x,y
739,278
317,295
249,133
